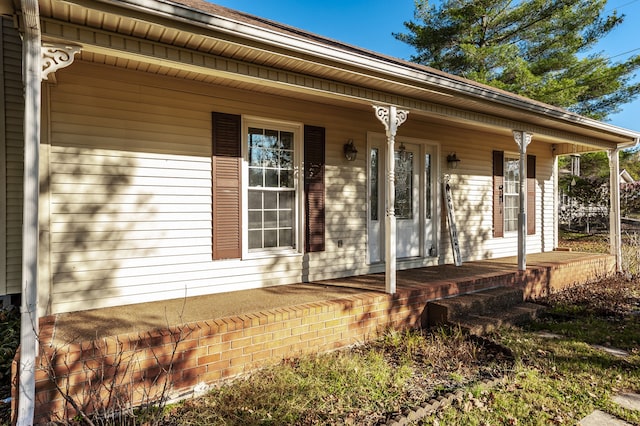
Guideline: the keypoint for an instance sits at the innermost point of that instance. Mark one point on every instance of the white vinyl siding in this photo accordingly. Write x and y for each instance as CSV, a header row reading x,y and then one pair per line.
x,y
11,155
130,189
130,183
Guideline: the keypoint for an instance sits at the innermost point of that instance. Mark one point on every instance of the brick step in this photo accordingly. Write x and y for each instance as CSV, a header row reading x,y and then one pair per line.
x,y
511,316
483,302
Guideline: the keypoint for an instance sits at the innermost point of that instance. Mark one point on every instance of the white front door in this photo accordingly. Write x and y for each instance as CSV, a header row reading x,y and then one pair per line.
x,y
415,199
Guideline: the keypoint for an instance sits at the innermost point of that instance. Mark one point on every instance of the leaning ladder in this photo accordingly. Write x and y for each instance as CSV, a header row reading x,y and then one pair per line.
x,y
453,231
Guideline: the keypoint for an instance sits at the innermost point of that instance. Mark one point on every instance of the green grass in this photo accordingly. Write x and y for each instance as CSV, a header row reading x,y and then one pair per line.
x,y
367,384
561,380
308,389
623,333
555,381
591,243
551,381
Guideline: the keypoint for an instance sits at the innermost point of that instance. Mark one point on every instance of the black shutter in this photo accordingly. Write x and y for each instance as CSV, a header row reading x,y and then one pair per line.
x,y
226,186
314,162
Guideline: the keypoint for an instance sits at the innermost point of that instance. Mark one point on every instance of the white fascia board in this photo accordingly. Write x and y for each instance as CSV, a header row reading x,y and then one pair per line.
x,y
181,12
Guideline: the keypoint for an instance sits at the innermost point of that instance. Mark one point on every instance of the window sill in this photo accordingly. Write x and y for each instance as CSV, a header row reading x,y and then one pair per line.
x,y
270,254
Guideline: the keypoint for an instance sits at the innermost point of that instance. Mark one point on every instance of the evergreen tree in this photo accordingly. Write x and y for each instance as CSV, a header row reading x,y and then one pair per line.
x,y
536,48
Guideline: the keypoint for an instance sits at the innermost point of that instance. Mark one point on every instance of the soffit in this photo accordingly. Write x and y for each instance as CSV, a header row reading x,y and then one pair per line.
x,y
164,31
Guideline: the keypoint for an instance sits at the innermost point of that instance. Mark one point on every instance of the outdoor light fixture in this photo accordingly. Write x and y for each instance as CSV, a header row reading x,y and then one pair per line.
x,y
452,160
350,151
402,152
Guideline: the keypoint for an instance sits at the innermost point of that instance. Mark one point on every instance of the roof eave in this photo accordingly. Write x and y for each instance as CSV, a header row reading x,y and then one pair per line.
x,y
440,81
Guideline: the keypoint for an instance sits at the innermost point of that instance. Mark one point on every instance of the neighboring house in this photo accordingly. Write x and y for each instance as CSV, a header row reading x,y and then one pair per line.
x,y
178,148
573,213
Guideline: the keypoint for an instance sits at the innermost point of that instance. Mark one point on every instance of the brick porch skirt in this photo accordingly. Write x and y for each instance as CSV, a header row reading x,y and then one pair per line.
x,y
135,367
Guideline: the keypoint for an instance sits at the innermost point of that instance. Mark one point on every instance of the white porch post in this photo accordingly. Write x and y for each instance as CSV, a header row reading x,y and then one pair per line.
x,y
39,61
615,229
523,139
29,317
391,118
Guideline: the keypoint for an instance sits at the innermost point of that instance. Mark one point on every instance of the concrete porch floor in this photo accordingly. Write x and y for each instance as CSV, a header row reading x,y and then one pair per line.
x,y
446,280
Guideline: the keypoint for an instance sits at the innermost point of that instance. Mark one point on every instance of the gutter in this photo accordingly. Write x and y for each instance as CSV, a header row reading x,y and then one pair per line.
x,y
633,145
32,71
361,58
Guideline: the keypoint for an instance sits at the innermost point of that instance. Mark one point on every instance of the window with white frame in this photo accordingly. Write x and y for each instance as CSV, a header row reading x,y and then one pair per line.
x,y
272,187
511,192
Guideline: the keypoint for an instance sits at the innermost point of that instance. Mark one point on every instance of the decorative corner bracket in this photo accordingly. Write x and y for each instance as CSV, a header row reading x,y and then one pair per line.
x,y
521,138
57,56
391,117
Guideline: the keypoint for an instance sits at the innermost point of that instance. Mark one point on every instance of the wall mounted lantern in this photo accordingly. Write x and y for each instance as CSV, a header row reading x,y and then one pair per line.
x,y
350,151
452,160
402,152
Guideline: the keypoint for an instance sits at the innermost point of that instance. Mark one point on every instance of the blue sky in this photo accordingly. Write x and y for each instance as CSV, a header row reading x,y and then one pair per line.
x,y
370,23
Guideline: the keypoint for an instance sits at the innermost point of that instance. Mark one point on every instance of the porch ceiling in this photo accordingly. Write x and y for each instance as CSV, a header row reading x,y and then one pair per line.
x,y
215,54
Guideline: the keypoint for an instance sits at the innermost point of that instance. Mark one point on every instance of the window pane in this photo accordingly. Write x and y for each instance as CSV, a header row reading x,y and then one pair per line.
x,y
255,137
285,159
271,178
270,200
270,219
255,239
285,219
510,213
286,179
255,156
271,138
255,200
286,200
286,140
512,175
255,220
286,238
255,177
270,158
270,238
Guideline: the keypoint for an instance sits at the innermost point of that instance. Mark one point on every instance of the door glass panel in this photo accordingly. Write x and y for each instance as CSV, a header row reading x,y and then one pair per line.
x,y
373,187
404,184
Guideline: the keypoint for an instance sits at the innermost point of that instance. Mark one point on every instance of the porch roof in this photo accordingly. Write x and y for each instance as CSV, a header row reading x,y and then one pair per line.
x,y
436,281
248,52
